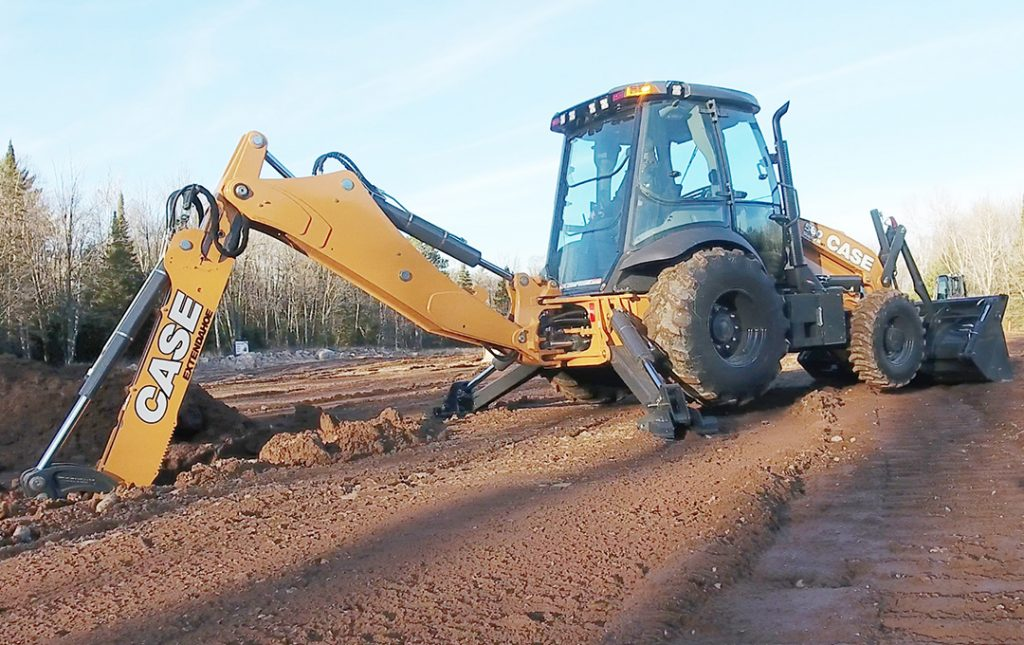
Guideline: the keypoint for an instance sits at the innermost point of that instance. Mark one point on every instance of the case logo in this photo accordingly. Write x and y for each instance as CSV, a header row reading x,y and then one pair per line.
x,y
858,256
180,341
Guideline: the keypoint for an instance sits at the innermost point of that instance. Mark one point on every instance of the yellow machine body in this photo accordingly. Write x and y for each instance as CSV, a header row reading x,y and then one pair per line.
x,y
319,216
333,219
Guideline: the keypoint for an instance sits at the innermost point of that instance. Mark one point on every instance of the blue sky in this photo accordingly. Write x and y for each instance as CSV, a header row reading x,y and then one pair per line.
x,y
896,105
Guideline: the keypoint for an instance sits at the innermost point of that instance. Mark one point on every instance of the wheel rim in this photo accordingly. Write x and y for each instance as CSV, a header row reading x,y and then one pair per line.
x,y
737,328
898,340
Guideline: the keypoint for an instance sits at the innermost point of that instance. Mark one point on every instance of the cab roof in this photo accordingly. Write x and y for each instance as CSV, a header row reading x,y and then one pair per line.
x,y
618,97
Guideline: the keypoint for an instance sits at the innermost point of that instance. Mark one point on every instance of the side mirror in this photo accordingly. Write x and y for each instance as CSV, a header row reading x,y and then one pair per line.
x,y
762,170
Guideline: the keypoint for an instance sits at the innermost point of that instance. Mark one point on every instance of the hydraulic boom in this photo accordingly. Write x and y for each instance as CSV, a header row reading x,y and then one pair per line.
x,y
341,221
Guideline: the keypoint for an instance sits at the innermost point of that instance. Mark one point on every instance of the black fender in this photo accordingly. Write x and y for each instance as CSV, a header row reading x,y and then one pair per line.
x,y
639,268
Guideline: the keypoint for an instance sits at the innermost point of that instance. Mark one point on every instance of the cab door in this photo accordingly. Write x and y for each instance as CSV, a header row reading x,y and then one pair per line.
x,y
753,187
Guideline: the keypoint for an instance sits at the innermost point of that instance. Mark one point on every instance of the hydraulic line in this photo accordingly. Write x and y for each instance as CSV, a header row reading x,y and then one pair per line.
x,y
407,222
153,290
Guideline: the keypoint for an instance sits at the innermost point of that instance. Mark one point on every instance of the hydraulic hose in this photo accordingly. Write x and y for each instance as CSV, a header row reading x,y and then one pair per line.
x,y
237,238
415,225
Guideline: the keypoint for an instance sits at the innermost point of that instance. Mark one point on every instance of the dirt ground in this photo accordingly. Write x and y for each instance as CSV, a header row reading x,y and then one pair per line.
x,y
34,398
817,515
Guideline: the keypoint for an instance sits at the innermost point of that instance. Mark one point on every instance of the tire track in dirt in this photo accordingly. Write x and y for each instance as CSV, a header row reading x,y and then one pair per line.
x,y
533,523
450,462
918,541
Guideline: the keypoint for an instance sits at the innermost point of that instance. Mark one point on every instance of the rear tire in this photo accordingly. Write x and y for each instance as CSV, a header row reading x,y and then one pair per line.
x,y
719,320
828,365
886,340
594,385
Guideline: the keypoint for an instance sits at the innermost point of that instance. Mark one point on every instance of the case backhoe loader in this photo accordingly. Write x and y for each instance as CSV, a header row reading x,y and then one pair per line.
x,y
679,269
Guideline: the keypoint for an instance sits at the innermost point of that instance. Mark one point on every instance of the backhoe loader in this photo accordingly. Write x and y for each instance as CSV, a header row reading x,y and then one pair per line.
x,y
679,270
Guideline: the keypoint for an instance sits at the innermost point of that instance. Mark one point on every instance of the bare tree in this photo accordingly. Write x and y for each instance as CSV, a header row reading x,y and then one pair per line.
x,y
981,241
70,256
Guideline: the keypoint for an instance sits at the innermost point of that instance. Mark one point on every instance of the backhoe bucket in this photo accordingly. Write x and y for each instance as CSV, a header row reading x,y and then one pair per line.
x,y
965,342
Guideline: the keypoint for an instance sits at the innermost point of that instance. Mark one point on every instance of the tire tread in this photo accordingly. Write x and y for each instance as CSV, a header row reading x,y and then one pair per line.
x,y
671,313
862,341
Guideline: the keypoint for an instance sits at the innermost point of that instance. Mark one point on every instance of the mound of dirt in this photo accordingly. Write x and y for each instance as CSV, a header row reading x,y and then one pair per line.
x,y
387,433
295,449
34,397
337,440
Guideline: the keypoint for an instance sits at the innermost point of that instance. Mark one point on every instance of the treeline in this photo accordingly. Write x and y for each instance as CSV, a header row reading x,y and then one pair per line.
x,y
983,242
69,267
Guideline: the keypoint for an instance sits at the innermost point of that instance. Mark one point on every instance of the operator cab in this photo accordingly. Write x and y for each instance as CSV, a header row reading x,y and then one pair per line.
x,y
651,172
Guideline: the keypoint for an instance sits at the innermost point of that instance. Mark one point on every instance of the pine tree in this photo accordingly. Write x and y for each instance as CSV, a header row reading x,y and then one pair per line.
x,y
23,293
463,278
9,191
115,281
499,298
9,173
436,257
13,176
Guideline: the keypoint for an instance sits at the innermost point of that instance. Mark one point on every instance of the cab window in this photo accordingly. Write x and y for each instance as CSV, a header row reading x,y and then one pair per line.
x,y
679,179
588,221
753,186
749,166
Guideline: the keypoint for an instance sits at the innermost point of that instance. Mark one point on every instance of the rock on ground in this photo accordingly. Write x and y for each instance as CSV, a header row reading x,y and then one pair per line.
x,y
23,534
106,502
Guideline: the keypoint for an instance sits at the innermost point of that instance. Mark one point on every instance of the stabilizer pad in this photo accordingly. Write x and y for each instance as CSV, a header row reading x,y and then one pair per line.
x,y
57,480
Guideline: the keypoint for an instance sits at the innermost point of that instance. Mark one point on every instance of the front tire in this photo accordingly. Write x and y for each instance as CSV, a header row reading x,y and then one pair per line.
x,y
719,319
886,340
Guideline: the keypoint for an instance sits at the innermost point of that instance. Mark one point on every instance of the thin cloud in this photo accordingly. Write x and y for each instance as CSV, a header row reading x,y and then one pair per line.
x,y
939,45
480,189
186,76
458,57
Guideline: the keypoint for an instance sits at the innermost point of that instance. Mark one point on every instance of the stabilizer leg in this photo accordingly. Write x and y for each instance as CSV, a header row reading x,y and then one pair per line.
x,y
668,413
465,397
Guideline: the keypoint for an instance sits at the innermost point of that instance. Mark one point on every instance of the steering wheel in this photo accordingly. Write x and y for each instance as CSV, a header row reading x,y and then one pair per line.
x,y
700,193
602,224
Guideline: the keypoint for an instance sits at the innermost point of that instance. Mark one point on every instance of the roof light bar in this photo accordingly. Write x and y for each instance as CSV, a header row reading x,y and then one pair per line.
x,y
639,90
611,101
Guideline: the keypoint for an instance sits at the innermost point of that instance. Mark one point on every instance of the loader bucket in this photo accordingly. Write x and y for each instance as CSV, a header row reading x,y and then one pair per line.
x,y
964,341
